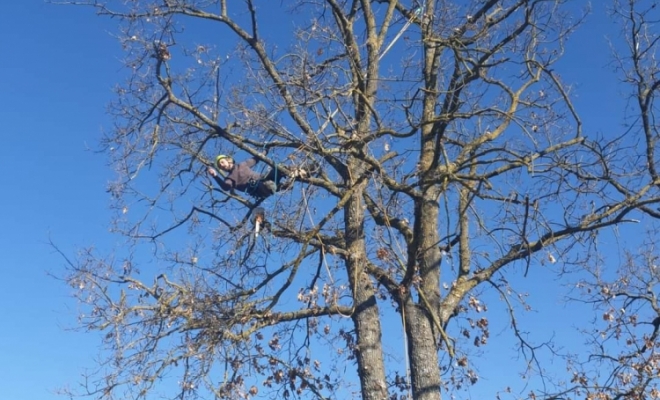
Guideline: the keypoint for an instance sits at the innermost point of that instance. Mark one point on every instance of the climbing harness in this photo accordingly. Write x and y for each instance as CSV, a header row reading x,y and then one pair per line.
x,y
256,187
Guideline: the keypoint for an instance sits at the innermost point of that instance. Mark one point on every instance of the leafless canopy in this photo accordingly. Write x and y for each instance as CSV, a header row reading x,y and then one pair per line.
x,y
451,163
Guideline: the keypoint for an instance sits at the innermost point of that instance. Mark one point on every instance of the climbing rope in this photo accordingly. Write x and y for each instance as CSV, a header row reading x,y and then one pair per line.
x,y
418,11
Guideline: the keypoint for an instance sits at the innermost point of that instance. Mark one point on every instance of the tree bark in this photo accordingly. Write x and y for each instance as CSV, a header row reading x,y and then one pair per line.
x,y
365,317
422,352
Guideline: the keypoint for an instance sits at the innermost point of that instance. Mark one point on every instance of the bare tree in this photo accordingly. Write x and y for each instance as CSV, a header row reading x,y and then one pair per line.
x,y
450,160
623,361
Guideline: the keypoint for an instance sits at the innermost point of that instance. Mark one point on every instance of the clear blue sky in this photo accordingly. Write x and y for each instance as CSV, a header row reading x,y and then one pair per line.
x,y
57,69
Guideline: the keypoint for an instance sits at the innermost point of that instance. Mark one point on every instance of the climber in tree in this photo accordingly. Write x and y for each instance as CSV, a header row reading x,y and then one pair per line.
x,y
241,177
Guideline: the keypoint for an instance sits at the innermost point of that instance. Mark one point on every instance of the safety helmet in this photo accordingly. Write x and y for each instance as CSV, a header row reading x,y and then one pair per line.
x,y
220,157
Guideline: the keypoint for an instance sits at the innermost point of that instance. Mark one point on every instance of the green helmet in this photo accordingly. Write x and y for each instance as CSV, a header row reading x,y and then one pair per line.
x,y
220,157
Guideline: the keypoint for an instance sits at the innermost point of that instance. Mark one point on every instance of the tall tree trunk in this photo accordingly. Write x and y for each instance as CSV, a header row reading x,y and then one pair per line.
x,y
424,254
422,352
366,318
422,316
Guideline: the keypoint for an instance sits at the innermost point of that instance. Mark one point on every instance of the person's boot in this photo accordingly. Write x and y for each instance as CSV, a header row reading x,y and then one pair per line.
x,y
305,171
266,188
299,173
